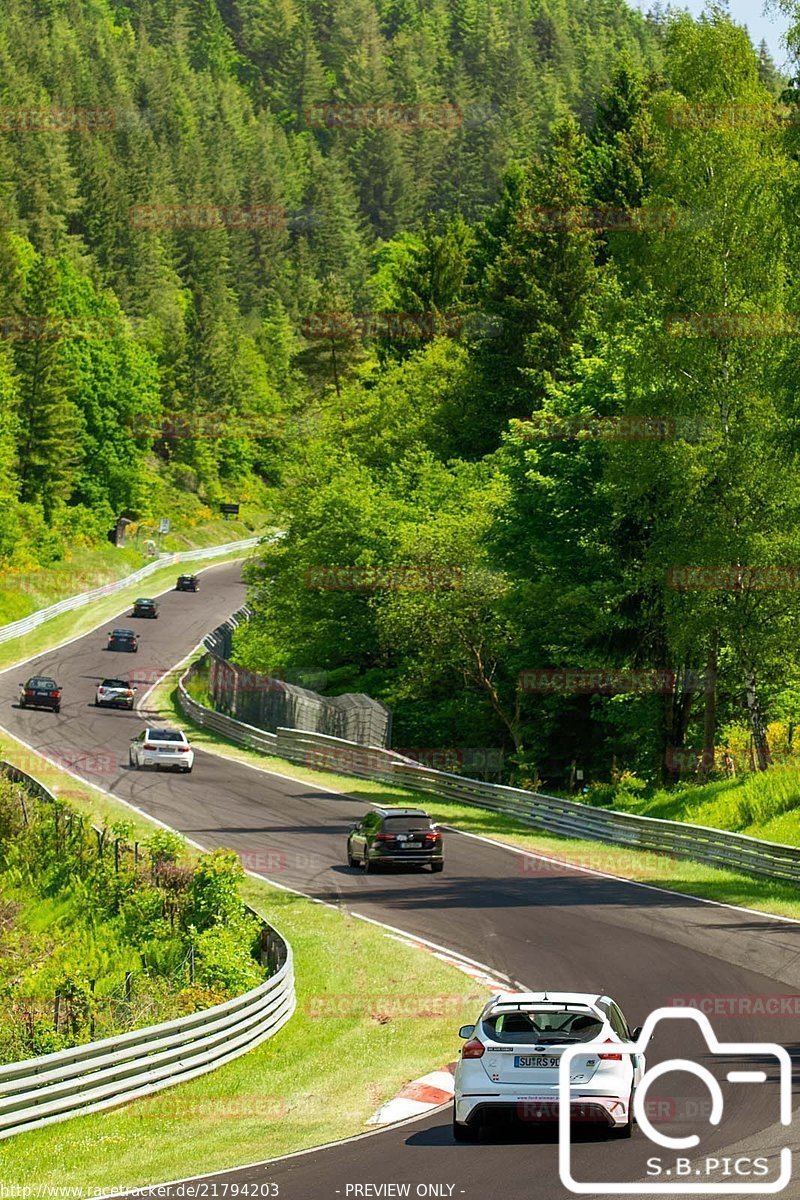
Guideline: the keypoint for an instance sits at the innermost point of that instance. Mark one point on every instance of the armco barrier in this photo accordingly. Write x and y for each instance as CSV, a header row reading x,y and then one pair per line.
x,y
69,1083
716,847
26,624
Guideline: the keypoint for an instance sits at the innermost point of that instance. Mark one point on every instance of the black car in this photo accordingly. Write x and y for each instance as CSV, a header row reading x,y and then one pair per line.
x,y
187,583
144,608
123,639
394,835
40,692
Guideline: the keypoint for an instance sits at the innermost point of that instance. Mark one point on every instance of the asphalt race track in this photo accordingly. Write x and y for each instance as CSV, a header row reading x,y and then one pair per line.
x,y
544,925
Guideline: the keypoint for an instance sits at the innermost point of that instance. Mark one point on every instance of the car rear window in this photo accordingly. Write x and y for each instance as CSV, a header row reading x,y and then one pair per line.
x,y
114,683
165,735
123,633
41,681
553,1028
406,824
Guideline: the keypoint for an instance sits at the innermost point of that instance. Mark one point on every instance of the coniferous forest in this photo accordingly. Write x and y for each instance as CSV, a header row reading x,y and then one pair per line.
x,y
492,302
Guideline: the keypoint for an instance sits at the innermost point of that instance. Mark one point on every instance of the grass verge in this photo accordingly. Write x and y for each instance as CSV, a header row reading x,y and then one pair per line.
x,y
386,1010
763,805
694,879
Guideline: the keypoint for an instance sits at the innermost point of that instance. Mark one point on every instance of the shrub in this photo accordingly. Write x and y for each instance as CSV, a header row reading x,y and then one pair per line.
x,y
215,890
223,957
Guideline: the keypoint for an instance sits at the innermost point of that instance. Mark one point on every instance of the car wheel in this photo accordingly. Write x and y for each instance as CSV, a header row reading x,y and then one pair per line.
x,y
365,863
436,867
464,1133
351,862
22,704
57,708
186,770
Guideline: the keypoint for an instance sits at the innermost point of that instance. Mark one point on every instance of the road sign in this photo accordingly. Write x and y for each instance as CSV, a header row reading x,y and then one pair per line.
x,y
229,509
163,525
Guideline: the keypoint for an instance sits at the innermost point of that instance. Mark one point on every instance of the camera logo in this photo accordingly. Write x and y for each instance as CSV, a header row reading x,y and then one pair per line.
x,y
681,1176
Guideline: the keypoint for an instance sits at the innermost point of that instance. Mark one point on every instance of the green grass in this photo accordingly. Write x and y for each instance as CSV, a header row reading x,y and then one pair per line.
x,y
385,1010
763,805
694,879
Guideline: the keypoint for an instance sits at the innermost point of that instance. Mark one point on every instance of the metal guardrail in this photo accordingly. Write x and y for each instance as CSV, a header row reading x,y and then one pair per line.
x,y
104,1074
26,624
569,818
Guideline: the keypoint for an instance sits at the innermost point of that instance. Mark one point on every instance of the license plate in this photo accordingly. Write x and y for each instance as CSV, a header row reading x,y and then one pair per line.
x,y
536,1060
413,845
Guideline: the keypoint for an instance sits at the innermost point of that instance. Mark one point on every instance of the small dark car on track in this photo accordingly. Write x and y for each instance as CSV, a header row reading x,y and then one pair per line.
x,y
40,691
187,583
123,639
144,608
395,835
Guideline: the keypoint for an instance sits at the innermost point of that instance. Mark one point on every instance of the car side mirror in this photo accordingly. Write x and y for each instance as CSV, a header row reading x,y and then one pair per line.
x,y
466,1031
354,826
637,1033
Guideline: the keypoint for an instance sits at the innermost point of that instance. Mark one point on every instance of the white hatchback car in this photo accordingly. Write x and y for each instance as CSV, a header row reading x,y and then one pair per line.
x,y
161,748
510,1063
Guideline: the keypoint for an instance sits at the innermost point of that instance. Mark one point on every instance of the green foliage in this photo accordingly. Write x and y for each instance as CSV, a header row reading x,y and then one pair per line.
x,y
505,453
214,890
93,943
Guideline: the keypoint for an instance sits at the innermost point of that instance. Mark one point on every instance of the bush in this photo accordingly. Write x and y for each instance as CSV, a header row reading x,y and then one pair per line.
x,y
223,957
215,890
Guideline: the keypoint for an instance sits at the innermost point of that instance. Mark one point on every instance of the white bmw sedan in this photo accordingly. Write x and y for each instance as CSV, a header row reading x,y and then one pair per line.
x,y
509,1066
161,748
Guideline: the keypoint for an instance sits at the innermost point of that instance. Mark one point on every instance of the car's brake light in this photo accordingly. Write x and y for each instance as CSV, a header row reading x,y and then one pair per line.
x,y
433,837
384,837
129,693
610,1057
474,1048
55,695
150,746
183,749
